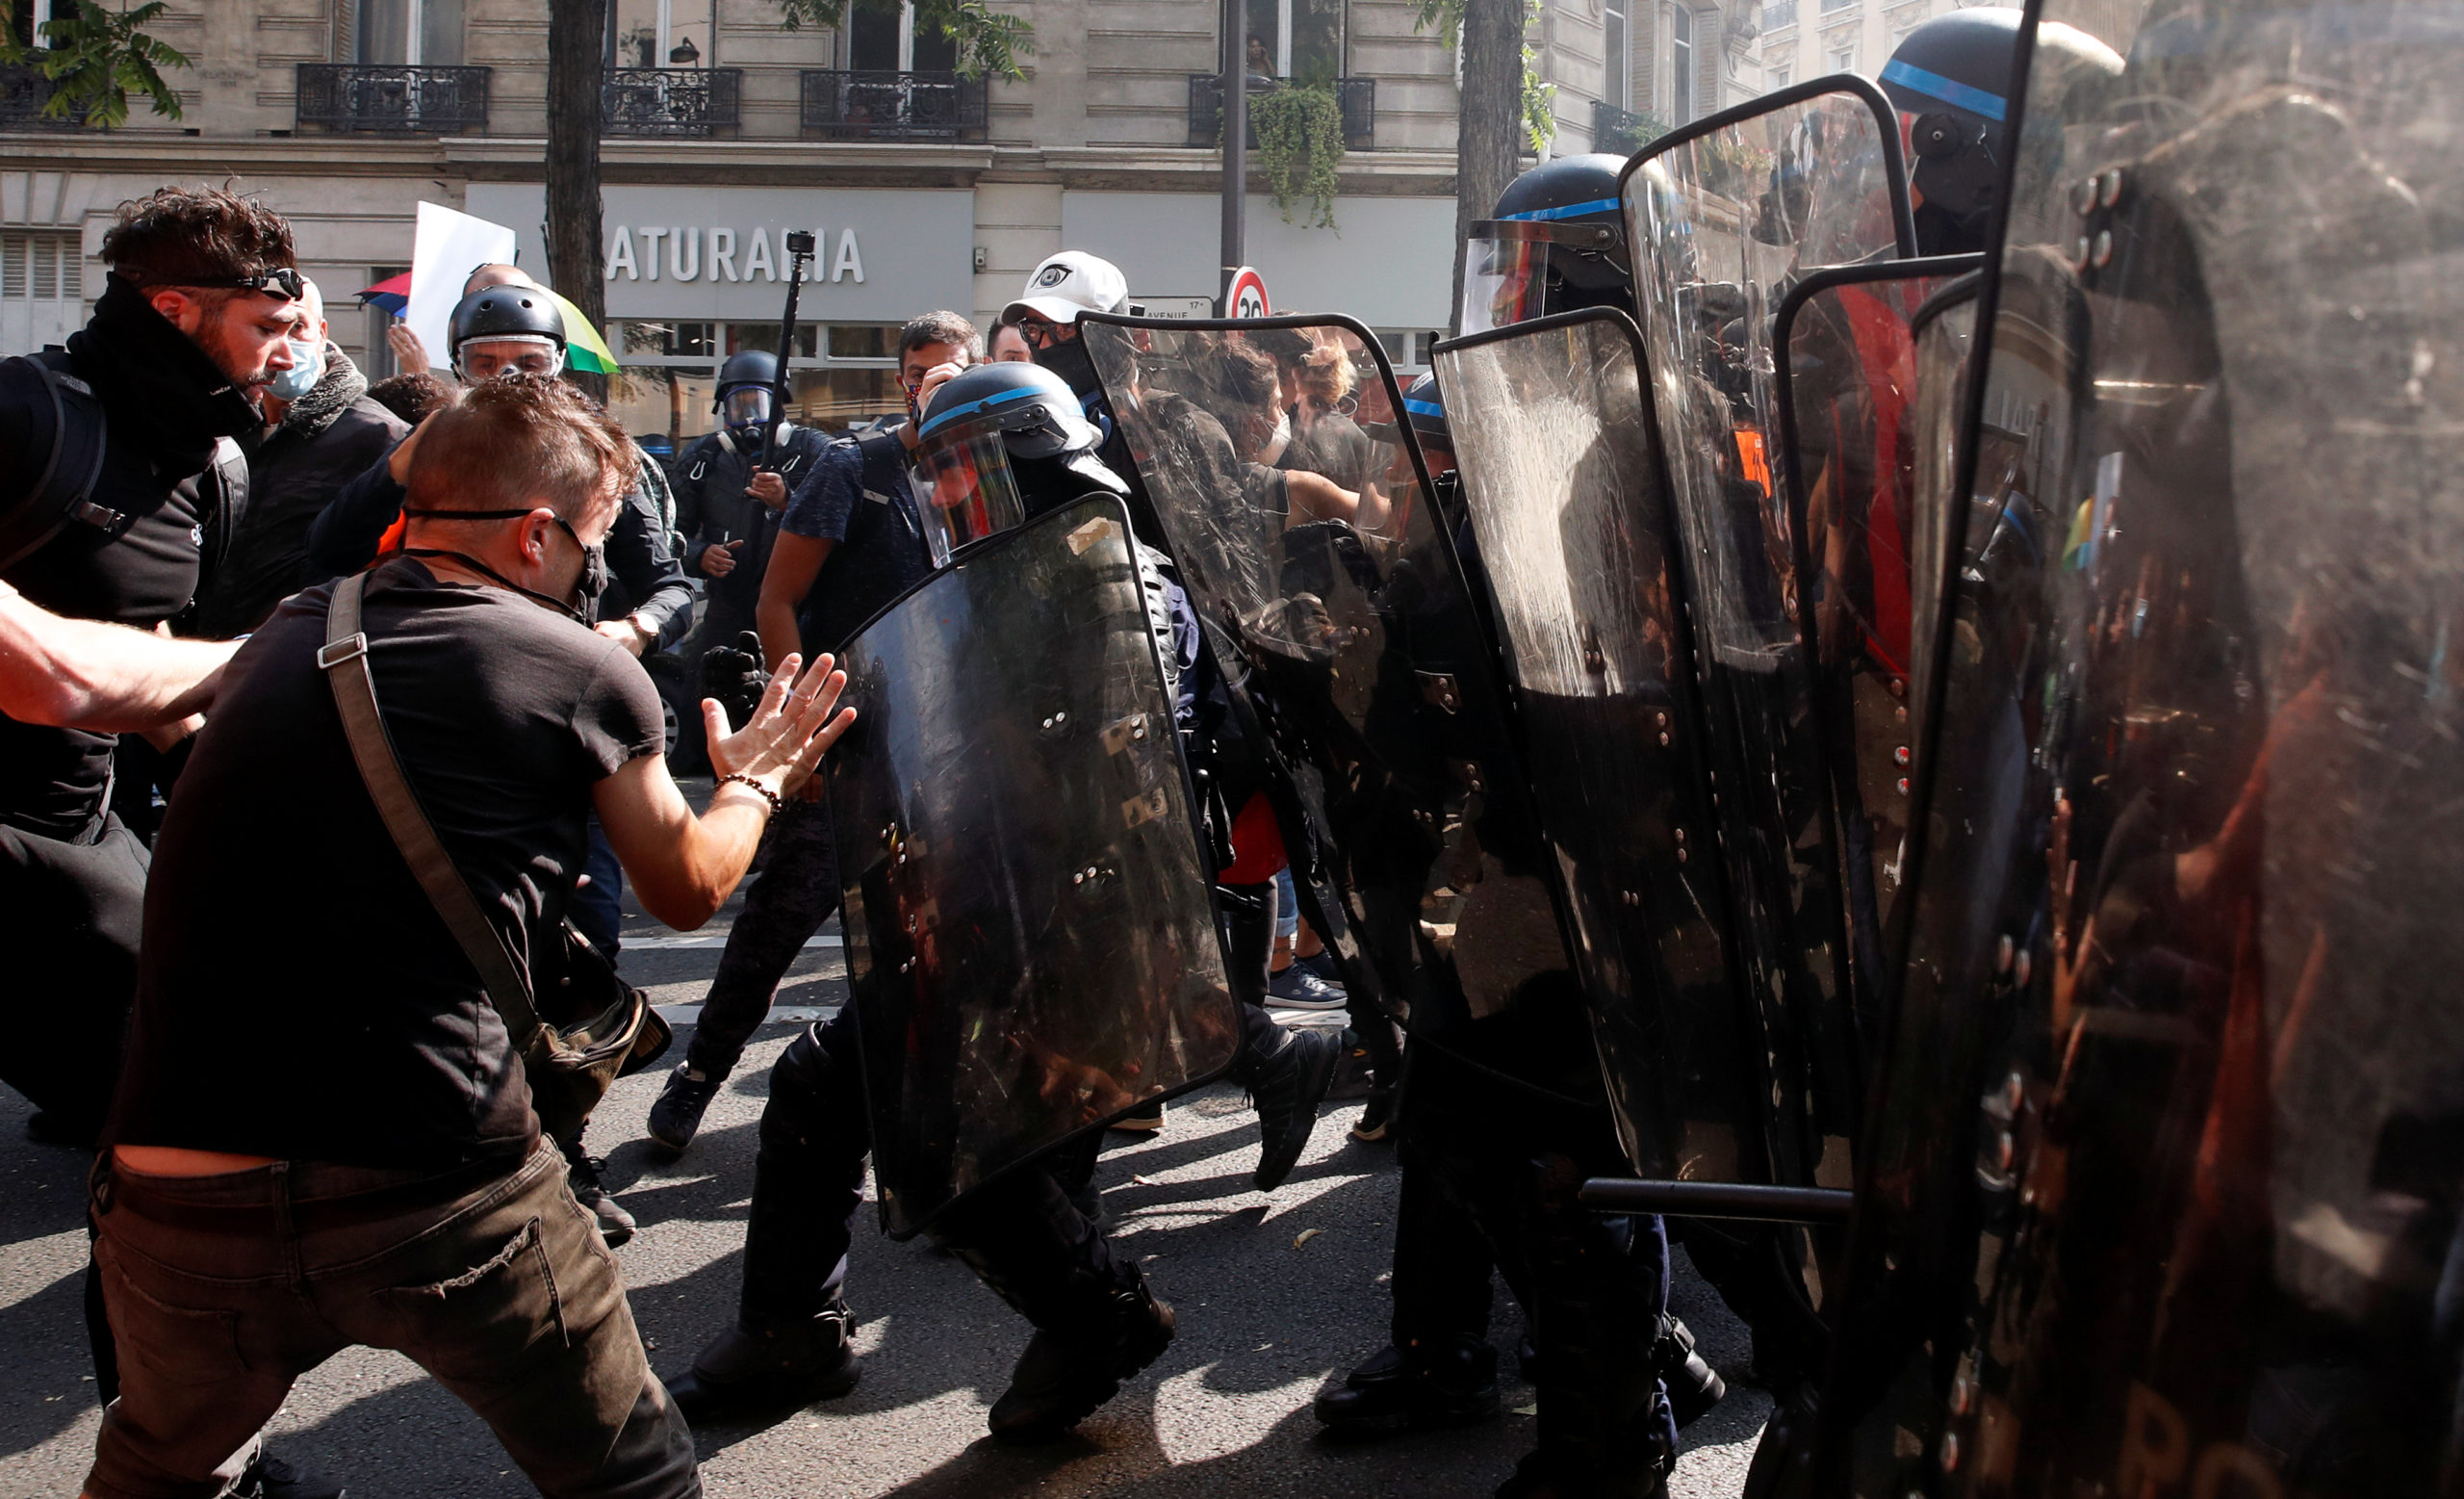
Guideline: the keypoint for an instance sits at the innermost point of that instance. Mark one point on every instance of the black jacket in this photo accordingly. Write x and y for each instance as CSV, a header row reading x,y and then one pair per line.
x,y
646,579
328,437
170,464
711,507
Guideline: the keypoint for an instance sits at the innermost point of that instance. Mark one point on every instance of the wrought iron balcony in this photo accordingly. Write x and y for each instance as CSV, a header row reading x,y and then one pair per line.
x,y
394,98
671,101
1356,97
842,104
23,93
1622,132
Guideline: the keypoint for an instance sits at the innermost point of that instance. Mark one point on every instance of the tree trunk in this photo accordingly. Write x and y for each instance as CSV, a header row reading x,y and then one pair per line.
x,y
576,63
1488,132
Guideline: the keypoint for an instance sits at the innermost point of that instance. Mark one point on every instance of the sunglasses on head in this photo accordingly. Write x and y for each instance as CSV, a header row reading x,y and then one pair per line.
x,y
273,280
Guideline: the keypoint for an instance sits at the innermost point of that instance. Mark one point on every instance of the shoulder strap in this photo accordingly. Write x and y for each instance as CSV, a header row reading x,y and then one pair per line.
x,y
65,470
344,659
884,477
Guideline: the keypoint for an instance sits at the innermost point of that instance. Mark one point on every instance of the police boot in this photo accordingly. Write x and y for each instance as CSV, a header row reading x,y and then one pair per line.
x,y
1693,1385
1451,1381
1287,1090
1062,1377
743,1372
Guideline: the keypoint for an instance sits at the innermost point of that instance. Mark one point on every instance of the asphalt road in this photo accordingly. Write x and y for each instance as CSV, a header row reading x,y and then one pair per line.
x,y
1264,1323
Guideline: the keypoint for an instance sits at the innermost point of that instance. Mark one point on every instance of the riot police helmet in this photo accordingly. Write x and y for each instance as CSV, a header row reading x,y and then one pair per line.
x,y
1952,79
1555,242
999,444
504,331
1423,411
746,383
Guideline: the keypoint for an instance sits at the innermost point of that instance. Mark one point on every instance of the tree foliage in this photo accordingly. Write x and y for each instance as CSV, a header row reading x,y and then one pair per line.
x,y
990,42
95,58
1538,98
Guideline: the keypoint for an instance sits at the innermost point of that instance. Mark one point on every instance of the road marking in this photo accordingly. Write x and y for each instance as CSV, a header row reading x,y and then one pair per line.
x,y
684,943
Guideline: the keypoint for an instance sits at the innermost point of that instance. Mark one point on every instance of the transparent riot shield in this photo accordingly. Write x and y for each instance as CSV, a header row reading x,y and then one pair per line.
x,y
1562,480
1724,218
1306,536
1031,938
2164,1196
1847,373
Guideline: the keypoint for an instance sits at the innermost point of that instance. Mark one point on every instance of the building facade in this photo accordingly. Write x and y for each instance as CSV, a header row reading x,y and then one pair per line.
x,y
721,130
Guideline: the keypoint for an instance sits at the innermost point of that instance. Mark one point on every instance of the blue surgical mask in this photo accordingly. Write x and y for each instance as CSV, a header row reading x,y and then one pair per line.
x,y
307,368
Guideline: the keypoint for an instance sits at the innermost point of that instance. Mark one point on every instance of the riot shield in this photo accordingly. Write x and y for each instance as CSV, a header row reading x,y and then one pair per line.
x,y
1845,372
1562,480
1305,535
2163,1197
1724,218
1031,938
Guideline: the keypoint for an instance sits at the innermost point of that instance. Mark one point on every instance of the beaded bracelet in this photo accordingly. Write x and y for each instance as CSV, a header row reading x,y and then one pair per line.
x,y
777,803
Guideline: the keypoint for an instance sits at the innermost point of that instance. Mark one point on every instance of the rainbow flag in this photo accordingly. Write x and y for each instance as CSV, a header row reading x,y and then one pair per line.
x,y
584,350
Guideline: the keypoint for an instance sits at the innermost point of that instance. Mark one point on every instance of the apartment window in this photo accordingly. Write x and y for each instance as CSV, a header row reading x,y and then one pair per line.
x,y
1613,79
1776,77
1295,39
411,31
884,40
23,18
42,285
1843,59
1681,72
661,32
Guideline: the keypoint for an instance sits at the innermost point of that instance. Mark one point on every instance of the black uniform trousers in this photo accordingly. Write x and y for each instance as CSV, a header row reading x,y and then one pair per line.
x,y
1490,1178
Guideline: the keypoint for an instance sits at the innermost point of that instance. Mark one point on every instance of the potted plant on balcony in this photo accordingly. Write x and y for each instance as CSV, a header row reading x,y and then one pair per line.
x,y
1300,144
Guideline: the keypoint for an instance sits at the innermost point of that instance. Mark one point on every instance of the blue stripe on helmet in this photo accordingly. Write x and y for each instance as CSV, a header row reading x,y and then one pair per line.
x,y
1597,205
936,422
1934,86
1429,408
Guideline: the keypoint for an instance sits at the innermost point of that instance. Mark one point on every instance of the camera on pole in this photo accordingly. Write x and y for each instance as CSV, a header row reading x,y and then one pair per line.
x,y
800,249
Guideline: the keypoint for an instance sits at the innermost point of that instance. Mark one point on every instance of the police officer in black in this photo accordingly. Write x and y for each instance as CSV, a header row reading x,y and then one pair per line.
x,y
727,503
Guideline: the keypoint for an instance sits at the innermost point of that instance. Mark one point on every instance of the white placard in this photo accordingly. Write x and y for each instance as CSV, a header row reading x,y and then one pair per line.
x,y
447,249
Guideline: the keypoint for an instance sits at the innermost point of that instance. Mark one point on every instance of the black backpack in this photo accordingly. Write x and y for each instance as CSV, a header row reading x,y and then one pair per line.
x,y
54,423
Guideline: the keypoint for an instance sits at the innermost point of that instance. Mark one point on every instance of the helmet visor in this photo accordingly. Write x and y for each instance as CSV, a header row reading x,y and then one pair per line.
x,y
967,488
1511,265
746,405
486,359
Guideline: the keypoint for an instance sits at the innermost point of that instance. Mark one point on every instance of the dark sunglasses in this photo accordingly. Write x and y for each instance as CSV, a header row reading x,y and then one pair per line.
x,y
273,280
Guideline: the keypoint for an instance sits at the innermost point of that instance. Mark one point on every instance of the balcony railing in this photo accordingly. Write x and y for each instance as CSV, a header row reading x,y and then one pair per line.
x,y
24,93
1356,97
671,101
840,104
1622,132
435,102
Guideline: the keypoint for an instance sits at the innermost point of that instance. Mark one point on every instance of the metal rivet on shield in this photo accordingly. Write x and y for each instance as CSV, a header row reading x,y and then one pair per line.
x,y
2005,1151
2019,970
2085,199
907,967
1898,688
1078,877
1950,1452
1680,856
2109,188
2015,1091
1662,719
1962,1394
2104,255
2079,254
1903,786
1663,738
1899,755
1060,718
2002,956
1899,714
1047,723
1681,834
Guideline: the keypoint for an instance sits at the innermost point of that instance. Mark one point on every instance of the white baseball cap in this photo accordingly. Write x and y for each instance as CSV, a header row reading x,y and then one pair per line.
x,y
1068,284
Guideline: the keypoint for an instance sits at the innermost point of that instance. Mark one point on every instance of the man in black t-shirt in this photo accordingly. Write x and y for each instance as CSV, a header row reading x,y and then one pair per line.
x,y
326,1134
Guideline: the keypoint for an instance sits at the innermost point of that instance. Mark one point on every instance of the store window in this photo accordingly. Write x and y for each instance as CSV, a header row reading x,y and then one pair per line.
x,y
1296,38
1680,69
42,286
662,32
669,380
419,33
885,40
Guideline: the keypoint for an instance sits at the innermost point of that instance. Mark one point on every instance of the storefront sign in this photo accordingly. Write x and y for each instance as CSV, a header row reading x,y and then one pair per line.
x,y
689,253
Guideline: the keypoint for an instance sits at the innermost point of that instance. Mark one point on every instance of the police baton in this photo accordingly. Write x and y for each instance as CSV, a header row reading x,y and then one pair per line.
x,y
799,243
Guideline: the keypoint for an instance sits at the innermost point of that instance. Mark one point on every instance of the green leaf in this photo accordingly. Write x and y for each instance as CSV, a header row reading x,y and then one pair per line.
x,y
1300,147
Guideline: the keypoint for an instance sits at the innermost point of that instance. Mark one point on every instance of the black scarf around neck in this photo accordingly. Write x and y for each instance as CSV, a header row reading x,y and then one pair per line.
x,y
164,392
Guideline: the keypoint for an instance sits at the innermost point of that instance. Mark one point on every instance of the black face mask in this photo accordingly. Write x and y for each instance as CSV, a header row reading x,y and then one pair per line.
x,y
582,608
1072,362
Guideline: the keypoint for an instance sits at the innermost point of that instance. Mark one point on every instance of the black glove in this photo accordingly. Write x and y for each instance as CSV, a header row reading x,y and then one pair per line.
x,y
734,675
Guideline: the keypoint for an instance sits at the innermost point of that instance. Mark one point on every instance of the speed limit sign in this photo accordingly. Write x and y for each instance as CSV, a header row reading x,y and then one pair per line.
x,y
1248,295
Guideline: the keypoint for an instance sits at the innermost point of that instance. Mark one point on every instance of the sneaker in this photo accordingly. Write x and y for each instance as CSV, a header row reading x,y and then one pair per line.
x,y
1290,1086
581,1173
677,1116
1059,1381
1296,988
1376,1120
1454,1384
1323,964
1141,1122
741,1373
271,1478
